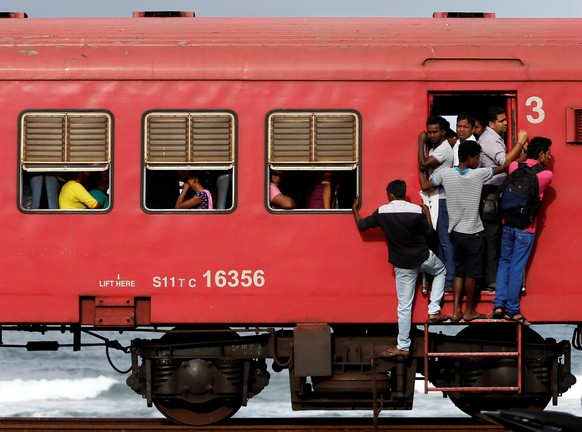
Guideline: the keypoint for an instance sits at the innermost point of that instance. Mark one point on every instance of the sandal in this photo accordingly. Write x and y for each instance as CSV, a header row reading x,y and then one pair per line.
x,y
518,318
497,313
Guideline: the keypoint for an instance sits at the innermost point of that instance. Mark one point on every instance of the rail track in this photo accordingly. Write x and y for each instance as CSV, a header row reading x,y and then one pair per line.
x,y
247,425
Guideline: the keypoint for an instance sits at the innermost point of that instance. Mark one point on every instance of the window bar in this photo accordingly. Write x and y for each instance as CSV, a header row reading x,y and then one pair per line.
x,y
66,133
312,143
189,143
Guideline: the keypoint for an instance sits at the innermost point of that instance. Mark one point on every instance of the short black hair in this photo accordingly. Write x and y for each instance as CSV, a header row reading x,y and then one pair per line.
x,y
466,116
538,145
467,149
443,124
493,112
449,133
397,188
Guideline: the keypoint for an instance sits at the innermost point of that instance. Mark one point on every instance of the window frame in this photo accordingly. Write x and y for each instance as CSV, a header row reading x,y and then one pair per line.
x,y
312,166
66,165
191,165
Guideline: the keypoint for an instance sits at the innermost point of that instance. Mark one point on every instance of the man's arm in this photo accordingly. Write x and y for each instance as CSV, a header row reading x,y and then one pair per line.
x,y
424,162
326,190
356,213
183,203
283,202
425,184
515,152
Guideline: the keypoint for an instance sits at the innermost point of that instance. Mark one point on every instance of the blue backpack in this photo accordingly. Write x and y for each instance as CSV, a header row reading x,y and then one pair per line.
x,y
519,197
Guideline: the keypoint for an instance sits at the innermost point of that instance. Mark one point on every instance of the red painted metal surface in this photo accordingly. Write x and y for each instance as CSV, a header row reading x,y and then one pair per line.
x,y
317,267
291,49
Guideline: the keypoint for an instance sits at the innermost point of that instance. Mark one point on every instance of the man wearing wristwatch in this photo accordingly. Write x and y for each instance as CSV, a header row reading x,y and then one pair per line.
x,y
494,154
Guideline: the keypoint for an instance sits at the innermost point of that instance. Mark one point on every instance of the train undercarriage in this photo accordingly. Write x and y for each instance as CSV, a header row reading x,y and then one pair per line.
x,y
199,376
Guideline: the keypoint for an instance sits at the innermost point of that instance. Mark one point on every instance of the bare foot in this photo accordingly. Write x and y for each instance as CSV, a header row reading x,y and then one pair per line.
x,y
473,316
456,317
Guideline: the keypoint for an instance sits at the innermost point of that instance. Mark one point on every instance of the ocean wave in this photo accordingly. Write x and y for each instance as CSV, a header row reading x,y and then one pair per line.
x,y
19,390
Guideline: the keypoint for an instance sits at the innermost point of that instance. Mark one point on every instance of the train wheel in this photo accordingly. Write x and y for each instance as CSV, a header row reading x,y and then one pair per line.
x,y
209,411
199,414
500,372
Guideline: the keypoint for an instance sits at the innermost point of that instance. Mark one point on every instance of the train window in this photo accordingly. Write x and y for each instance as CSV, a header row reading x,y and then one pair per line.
x,y
574,125
65,160
313,160
189,161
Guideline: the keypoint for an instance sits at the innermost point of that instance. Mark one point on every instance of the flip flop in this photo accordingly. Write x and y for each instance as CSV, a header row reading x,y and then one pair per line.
x,y
438,319
497,313
518,318
455,319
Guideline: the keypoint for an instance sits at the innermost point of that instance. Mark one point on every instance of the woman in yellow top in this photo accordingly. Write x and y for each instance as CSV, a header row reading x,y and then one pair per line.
x,y
74,196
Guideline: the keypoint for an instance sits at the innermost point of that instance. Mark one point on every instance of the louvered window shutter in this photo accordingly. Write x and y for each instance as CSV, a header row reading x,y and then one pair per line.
x,y
313,140
71,141
177,139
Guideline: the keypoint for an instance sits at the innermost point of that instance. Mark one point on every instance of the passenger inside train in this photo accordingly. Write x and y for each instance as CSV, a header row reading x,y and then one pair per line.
x,y
163,188
74,195
465,131
193,194
100,187
278,199
312,190
47,183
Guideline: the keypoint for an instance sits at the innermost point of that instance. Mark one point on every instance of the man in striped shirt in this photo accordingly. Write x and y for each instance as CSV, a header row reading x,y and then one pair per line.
x,y
463,185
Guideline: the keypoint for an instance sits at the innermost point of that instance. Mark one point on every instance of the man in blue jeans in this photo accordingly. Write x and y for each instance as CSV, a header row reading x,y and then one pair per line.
x,y
516,243
440,156
406,227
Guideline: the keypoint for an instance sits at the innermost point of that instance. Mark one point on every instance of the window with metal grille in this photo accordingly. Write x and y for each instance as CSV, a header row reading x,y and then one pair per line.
x,y
59,146
311,151
179,146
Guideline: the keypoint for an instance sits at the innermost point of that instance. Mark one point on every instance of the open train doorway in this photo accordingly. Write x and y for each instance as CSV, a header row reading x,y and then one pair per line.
x,y
450,104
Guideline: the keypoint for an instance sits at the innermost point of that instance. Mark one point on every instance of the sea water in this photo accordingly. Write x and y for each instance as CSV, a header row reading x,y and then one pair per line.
x,y
64,383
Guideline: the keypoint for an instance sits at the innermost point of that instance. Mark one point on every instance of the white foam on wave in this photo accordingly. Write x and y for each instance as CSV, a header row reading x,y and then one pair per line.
x,y
19,390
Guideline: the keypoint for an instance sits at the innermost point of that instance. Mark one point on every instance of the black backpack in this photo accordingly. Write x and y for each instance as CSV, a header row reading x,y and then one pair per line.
x,y
519,197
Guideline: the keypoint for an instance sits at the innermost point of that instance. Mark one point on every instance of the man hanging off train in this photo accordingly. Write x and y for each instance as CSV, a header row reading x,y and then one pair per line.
x,y
495,154
406,227
440,156
517,240
463,185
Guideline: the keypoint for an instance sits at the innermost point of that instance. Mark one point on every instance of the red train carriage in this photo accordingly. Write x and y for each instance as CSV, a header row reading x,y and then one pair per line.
x,y
146,100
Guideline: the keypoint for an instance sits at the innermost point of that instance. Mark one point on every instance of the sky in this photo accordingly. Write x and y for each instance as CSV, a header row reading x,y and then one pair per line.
x,y
299,8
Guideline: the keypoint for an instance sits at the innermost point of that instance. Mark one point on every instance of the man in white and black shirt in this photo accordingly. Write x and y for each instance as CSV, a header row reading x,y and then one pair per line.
x,y
406,228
